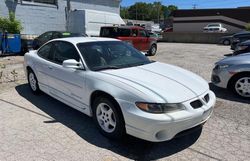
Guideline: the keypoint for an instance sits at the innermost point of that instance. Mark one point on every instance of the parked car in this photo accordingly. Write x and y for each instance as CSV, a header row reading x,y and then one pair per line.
x,y
120,88
233,73
243,47
214,27
45,37
135,35
157,36
239,37
226,40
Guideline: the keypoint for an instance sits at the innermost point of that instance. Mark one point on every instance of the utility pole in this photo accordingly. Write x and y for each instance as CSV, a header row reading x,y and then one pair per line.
x,y
136,12
159,10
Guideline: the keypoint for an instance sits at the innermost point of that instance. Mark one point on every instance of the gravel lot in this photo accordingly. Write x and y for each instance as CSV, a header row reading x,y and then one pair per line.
x,y
41,128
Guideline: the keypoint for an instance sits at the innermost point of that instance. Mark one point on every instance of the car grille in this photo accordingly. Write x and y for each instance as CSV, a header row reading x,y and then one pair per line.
x,y
196,104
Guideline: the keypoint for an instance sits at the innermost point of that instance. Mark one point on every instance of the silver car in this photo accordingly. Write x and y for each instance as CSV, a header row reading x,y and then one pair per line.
x,y
233,73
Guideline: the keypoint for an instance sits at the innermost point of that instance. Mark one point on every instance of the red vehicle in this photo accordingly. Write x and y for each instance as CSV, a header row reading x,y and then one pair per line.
x,y
135,35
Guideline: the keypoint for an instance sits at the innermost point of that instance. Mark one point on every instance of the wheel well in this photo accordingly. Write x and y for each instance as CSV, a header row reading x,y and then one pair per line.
x,y
232,79
154,44
98,93
29,68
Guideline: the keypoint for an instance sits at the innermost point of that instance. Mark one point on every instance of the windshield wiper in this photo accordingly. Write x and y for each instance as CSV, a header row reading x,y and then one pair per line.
x,y
105,68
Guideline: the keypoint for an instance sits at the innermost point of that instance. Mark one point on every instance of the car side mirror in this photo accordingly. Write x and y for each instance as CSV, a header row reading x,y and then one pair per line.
x,y
73,64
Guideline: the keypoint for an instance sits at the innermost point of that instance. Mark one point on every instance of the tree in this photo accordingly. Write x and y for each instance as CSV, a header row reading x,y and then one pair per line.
x,y
172,8
10,24
147,11
124,12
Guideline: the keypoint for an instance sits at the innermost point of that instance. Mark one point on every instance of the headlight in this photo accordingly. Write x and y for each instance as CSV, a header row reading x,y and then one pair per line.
x,y
223,66
159,107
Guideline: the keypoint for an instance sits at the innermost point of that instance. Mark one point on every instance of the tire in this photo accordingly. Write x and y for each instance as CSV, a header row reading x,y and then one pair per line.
x,y
152,50
240,85
108,118
226,42
33,82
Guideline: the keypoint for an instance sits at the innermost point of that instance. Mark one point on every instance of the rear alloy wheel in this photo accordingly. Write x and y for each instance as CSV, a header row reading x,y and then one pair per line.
x,y
108,118
33,83
152,50
241,86
226,42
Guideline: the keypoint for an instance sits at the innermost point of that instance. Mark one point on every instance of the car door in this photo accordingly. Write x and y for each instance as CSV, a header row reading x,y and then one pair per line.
x,y
67,84
144,40
135,38
41,66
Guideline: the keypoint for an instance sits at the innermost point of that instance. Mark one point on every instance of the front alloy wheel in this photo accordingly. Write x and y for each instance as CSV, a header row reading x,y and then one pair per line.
x,y
108,117
242,86
33,83
153,49
105,117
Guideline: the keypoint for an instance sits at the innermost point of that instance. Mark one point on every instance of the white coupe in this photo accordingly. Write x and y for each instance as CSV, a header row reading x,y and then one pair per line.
x,y
120,88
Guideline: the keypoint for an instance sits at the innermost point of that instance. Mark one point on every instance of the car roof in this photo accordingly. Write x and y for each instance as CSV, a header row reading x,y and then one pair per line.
x,y
77,40
242,33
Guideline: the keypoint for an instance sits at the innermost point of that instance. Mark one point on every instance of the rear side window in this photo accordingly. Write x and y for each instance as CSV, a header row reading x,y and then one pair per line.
x,y
44,52
142,33
45,37
64,51
115,32
124,32
109,32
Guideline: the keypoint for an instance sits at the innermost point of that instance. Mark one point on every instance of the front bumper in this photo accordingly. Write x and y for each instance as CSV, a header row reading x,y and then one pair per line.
x,y
162,127
220,78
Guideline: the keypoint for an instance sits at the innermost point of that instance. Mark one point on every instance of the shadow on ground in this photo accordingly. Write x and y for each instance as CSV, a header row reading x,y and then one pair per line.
x,y
227,94
83,125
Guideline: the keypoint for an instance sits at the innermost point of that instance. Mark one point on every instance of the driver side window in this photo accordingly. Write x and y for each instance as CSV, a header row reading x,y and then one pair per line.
x,y
64,51
142,33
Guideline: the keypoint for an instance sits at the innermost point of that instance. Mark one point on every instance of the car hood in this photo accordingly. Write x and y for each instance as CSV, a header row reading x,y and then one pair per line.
x,y
239,59
169,83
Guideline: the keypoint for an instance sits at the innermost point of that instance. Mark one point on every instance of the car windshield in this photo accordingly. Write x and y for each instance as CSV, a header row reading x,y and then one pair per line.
x,y
213,25
111,55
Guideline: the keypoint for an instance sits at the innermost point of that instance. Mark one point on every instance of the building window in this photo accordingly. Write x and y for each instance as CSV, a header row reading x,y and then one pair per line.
x,y
53,2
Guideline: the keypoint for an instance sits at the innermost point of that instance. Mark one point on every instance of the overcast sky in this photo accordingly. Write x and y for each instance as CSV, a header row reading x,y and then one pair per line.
x,y
188,4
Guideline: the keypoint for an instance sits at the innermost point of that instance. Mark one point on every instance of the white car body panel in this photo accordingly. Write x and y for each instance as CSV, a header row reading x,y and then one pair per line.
x,y
153,83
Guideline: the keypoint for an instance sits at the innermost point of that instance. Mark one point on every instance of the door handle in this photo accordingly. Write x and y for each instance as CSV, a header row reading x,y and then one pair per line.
x,y
50,67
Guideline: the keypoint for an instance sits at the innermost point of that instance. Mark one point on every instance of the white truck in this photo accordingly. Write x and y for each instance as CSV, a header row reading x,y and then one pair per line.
x,y
89,22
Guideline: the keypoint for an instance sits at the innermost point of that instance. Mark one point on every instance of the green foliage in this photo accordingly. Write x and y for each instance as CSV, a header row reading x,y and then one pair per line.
x,y
10,24
248,27
147,11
